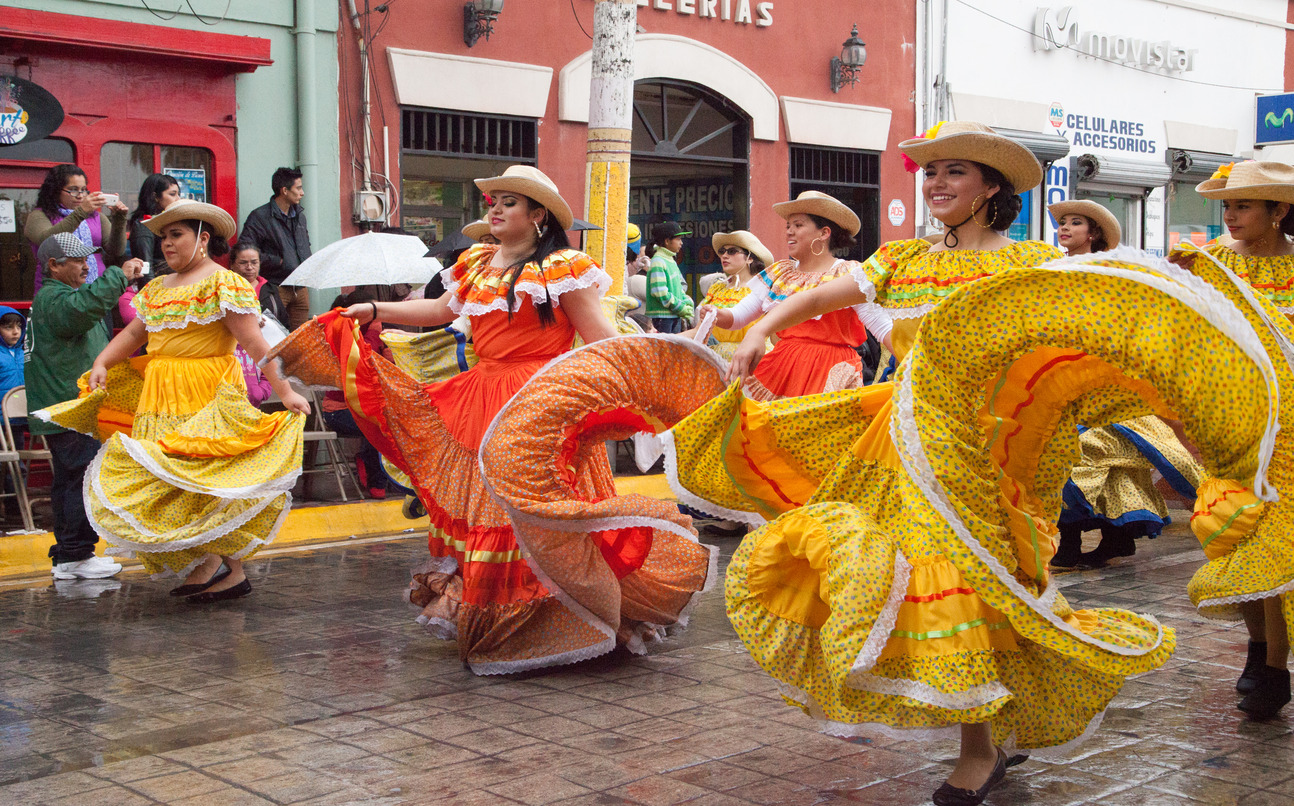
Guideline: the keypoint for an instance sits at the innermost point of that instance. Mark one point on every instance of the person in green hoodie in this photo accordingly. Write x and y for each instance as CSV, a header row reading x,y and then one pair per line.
x,y
668,304
67,330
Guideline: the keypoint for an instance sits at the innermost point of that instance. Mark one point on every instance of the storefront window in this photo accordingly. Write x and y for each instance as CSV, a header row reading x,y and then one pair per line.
x,y
17,261
438,196
1191,217
125,166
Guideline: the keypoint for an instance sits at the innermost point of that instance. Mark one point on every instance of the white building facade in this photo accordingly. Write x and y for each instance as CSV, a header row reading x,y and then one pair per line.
x,y
1129,103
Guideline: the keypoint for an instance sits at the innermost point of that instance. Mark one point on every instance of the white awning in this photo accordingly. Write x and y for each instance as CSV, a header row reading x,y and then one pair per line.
x,y
463,83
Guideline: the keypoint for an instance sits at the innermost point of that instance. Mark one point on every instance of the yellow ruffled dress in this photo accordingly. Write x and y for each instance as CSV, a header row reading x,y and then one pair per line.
x,y
1249,543
722,295
188,466
901,580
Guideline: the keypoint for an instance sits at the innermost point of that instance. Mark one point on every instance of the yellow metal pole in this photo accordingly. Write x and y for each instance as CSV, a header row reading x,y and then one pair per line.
x,y
610,128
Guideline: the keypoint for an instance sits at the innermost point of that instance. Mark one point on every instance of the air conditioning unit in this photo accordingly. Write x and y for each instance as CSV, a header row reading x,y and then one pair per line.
x,y
371,206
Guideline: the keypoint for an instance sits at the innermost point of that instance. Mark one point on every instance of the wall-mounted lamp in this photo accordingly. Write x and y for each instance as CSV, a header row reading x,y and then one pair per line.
x,y
478,19
853,55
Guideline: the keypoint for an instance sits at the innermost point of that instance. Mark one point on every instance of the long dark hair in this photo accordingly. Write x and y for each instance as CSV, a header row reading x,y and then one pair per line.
x,y
840,239
552,238
150,197
1287,223
52,185
1005,205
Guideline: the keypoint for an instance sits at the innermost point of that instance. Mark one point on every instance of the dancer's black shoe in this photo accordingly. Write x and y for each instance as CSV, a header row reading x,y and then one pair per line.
x,y
1256,660
949,795
1271,694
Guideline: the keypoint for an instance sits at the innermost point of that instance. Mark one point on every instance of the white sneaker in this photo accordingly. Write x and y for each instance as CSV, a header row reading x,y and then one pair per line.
x,y
92,568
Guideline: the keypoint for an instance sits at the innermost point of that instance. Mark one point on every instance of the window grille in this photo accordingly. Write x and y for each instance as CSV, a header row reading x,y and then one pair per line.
x,y
457,134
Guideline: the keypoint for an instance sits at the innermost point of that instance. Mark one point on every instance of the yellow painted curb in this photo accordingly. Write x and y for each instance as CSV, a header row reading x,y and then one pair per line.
x,y
25,555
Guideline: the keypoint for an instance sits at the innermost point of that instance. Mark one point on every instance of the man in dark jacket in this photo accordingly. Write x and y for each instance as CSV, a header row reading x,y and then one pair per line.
x,y
278,228
66,333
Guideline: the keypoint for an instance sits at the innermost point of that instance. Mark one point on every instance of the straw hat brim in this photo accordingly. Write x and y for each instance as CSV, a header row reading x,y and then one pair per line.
x,y
1094,212
1017,163
219,220
475,230
745,240
1217,189
546,196
828,208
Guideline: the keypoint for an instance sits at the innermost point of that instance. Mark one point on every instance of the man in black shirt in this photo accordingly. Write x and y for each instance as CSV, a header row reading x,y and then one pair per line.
x,y
278,228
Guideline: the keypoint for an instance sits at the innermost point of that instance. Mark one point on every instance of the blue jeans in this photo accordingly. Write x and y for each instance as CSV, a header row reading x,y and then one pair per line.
x,y
667,324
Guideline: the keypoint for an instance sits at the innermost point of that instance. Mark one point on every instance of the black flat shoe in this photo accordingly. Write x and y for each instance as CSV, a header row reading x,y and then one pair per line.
x,y
1070,550
949,795
1271,693
199,587
236,592
1256,660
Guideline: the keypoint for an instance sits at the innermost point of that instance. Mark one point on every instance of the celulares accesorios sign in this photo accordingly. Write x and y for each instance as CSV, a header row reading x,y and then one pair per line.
x,y
28,111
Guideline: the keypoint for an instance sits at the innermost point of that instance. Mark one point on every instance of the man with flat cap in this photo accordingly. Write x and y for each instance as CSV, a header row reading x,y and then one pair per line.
x,y
67,330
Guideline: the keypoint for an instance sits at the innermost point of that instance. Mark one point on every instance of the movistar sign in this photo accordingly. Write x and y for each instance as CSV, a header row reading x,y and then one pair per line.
x,y
1275,122
1057,28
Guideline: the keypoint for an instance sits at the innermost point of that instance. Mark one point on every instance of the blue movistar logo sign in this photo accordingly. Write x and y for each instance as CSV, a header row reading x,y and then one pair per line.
x,y
1275,122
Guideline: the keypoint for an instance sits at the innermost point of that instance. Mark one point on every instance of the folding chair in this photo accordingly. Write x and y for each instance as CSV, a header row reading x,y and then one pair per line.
x,y
15,405
330,442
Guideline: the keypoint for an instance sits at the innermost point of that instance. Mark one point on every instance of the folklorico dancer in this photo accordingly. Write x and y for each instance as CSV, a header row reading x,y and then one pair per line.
x,y
535,561
743,258
818,354
1112,487
191,479
1250,543
907,585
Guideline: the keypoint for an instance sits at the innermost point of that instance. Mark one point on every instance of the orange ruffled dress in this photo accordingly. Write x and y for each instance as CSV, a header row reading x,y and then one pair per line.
x,y
814,356
513,606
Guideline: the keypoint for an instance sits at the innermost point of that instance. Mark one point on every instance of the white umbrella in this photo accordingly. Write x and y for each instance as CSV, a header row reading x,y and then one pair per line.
x,y
374,258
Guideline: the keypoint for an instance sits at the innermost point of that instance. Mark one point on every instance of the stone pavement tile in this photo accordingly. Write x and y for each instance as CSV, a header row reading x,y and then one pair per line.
x,y
443,726
603,743
1062,785
719,743
781,792
536,790
431,755
1265,798
719,799
1164,754
502,714
252,768
339,726
166,788
608,691
544,755
1116,764
115,795
889,793
491,740
226,796
1234,769
607,716
662,758
481,773
658,791
240,747
1143,796
370,771
319,754
560,702
551,728
1199,787
600,774
595,799
717,776
133,769
721,715
384,740
52,787
836,775
772,761
295,786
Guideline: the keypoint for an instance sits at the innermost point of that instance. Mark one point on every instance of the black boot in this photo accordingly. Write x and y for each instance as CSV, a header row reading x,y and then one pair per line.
x,y
1071,547
1116,541
1271,694
1256,660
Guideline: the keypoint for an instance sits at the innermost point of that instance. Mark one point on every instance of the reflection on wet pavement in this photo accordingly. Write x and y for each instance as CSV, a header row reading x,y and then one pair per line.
x,y
320,689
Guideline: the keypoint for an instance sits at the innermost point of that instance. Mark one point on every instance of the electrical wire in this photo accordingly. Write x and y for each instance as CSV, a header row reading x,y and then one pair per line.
x,y
578,21
157,14
223,14
1183,79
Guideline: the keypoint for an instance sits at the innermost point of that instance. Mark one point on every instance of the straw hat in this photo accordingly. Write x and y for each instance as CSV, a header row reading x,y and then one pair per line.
x,y
1093,212
476,230
820,204
967,140
746,241
218,220
1268,181
532,183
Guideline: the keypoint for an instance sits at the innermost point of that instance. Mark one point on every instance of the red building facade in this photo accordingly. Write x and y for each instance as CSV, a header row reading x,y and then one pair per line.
x,y
733,111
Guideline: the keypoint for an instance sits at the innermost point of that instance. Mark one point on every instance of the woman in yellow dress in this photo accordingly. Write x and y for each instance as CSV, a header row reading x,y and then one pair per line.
x,y
1112,487
874,598
743,258
1250,546
191,479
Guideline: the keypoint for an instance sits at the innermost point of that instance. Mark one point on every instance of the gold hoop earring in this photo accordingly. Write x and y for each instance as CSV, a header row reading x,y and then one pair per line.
x,y
817,252
975,208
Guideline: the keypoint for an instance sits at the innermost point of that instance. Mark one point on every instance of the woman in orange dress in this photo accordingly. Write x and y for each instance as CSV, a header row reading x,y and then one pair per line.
x,y
817,355
516,593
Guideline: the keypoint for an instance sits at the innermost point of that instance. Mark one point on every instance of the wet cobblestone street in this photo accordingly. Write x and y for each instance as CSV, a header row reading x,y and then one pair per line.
x,y
320,689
